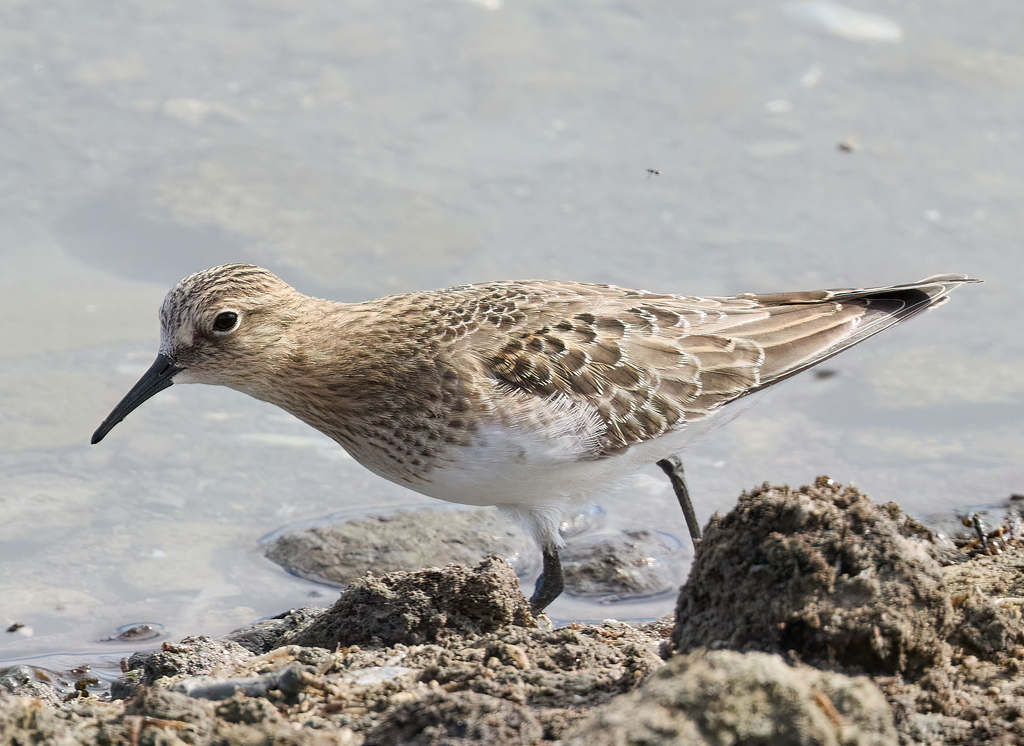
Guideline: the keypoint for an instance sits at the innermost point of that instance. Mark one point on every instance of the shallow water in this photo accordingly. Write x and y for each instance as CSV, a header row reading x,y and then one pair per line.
x,y
360,149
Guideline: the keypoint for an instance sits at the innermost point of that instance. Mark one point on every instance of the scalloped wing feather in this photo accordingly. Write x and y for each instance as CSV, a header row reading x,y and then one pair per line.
x,y
651,363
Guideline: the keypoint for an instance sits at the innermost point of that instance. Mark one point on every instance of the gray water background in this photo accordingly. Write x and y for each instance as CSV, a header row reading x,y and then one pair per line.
x,y
362,148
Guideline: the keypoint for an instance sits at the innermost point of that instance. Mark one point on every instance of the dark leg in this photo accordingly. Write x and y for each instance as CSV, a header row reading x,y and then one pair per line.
x,y
673,467
550,583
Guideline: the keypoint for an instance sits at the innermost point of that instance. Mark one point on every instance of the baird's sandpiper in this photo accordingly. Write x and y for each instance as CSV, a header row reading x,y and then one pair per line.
x,y
525,395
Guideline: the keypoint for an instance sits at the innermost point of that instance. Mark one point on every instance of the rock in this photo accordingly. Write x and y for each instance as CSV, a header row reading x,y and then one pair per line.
x,y
23,681
340,553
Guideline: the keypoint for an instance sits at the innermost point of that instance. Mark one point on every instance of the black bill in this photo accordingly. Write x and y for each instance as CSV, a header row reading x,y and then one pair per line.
x,y
156,379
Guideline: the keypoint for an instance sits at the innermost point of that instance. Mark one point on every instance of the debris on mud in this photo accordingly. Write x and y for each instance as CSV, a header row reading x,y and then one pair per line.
x,y
810,616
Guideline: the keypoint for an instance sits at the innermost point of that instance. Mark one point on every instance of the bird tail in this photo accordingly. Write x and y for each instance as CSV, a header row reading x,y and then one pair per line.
x,y
880,309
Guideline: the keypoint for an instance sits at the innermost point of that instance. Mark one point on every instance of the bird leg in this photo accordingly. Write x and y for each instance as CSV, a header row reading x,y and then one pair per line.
x,y
673,467
550,583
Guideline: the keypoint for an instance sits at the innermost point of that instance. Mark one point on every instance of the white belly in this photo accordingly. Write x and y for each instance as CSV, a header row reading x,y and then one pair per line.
x,y
538,474
534,478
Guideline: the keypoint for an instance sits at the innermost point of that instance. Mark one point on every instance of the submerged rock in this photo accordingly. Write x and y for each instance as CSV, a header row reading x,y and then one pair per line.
x,y
620,565
345,550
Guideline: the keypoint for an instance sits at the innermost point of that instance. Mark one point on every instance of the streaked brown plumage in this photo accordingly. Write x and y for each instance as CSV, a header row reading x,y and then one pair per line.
x,y
525,395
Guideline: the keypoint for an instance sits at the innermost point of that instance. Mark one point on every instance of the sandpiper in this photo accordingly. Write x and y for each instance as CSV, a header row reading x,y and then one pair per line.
x,y
530,396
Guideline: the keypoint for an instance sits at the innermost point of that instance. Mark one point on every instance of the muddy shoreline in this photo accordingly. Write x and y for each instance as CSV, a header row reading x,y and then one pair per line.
x,y
810,616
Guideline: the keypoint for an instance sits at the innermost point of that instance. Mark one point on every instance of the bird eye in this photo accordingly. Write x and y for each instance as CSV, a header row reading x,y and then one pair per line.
x,y
225,321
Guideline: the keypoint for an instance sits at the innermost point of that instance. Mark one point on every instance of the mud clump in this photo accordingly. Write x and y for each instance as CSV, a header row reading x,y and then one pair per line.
x,y
426,606
822,574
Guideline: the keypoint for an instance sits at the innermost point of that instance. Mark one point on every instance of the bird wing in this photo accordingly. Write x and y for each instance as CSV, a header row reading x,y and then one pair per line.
x,y
650,363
